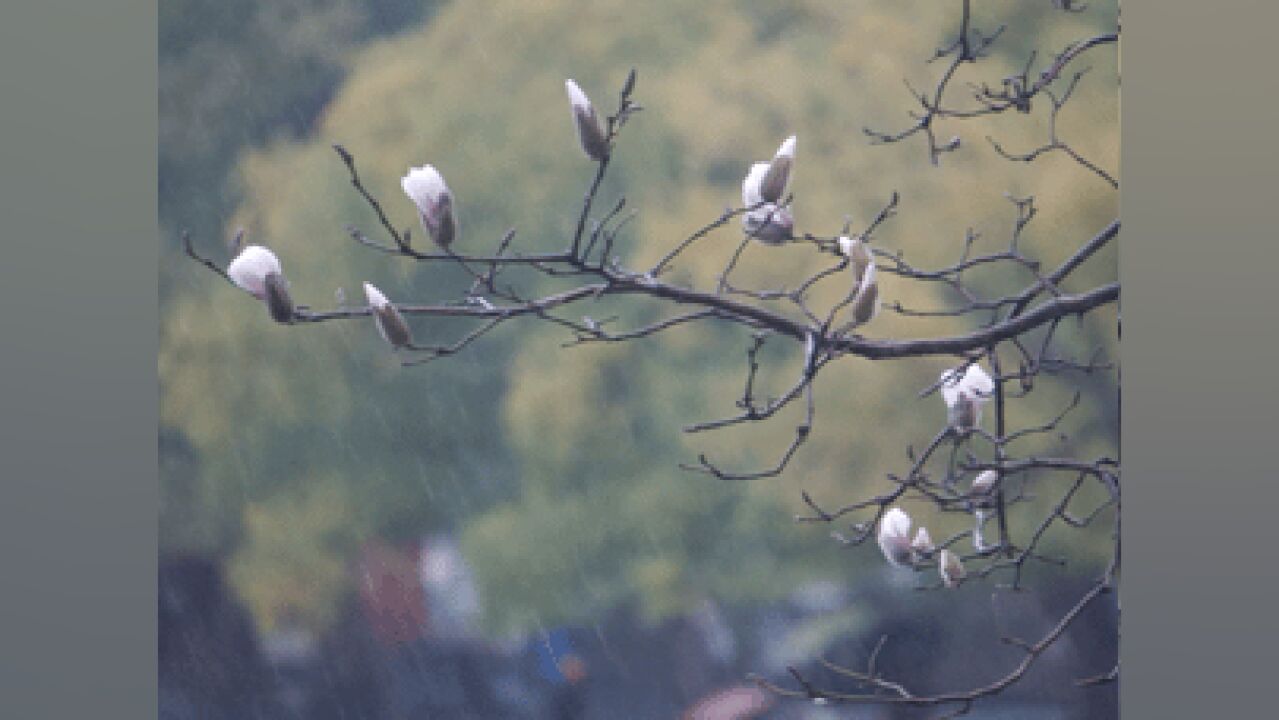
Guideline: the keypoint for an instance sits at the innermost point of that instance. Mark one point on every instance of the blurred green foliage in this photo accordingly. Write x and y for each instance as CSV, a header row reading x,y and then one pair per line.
x,y
558,467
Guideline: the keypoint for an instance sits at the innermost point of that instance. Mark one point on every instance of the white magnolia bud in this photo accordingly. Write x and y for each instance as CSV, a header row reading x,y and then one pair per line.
x,y
776,175
979,542
426,188
866,302
390,323
923,543
975,382
257,271
965,413
964,395
854,248
766,222
751,185
951,568
984,482
589,131
250,268
894,537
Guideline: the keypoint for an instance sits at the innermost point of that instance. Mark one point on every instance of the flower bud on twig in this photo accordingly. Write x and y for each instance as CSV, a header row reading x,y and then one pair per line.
x,y
922,545
866,302
982,485
390,323
257,271
951,568
894,537
854,248
964,395
776,175
979,541
764,221
589,131
426,188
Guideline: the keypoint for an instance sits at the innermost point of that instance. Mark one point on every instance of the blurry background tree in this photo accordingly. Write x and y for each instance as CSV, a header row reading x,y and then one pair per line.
x,y
560,467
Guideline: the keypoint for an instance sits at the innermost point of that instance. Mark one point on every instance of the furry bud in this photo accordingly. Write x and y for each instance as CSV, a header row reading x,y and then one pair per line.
x,y
964,396
894,538
776,176
426,188
866,302
257,271
951,568
589,132
922,545
390,323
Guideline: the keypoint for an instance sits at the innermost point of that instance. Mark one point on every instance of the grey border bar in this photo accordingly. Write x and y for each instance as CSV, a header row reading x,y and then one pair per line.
x,y
1198,257
79,338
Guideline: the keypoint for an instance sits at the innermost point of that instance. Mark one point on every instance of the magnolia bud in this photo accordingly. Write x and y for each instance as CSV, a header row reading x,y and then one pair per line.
x,y
982,485
426,188
965,413
964,395
589,132
777,175
894,537
257,271
985,481
855,250
979,542
978,383
866,302
922,545
390,323
764,220
751,185
951,568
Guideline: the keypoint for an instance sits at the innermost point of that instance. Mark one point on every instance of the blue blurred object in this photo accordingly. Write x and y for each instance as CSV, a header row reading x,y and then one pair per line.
x,y
549,650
